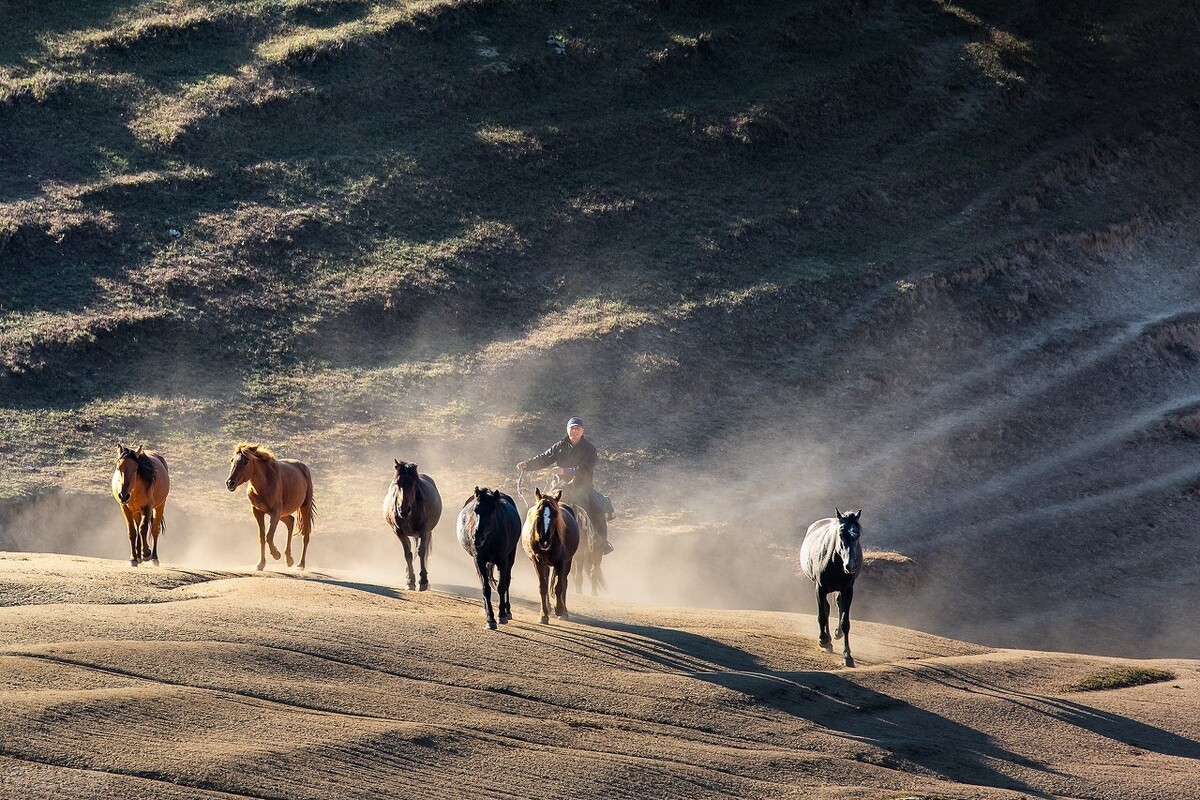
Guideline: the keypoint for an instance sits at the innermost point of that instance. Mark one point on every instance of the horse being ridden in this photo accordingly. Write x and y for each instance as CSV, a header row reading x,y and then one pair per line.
x,y
831,556
592,547
140,483
489,527
413,507
281,489
550,537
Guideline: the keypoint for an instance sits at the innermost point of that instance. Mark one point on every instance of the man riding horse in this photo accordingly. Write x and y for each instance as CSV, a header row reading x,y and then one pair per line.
x,y
575,459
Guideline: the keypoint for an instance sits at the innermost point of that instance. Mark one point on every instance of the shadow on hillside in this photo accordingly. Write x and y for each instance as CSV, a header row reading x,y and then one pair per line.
x,y
1102,723
361,586
916,741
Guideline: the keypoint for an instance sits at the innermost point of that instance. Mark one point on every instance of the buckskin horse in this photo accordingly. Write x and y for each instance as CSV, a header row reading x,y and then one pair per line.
x,y
550,538
831,556
489,527
280,489
140,483
412,507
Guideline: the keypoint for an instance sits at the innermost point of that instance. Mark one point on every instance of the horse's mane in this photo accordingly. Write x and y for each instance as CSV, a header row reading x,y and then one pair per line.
x,y
257,450
820,550
147,470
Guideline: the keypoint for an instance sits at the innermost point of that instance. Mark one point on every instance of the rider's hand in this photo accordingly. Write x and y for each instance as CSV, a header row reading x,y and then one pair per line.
x,y
522,466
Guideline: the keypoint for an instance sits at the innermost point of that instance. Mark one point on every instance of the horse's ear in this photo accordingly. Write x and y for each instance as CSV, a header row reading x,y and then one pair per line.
x,y
857,514
558,495
120,449
496,493
396,462
537,493
838,512
141,449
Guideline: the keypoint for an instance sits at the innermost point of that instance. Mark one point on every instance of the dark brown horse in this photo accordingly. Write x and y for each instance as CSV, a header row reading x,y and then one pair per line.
x,y
550,538
412,507
279,489
489,527
592,547
140,484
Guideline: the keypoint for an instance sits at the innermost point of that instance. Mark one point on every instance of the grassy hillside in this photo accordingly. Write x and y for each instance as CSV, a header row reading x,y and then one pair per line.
x,y
718,231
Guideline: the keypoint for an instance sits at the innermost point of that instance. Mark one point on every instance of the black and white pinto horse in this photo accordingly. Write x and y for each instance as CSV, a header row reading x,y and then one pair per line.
x,y
412,508
831,556
489,528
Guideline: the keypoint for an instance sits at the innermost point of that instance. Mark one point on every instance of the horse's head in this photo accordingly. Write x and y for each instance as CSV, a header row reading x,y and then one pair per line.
x,y
849,549
127,466
547,522
487,508
241,465
405,481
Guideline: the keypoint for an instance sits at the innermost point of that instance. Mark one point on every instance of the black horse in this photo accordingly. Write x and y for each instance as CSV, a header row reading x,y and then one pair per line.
x,y
831,556
412,507
489,527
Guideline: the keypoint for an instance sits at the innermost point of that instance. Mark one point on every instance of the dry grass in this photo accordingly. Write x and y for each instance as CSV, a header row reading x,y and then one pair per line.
x,y
1120,678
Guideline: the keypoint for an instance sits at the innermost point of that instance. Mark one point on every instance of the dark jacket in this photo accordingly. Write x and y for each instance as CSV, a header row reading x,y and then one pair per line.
x,y
579,461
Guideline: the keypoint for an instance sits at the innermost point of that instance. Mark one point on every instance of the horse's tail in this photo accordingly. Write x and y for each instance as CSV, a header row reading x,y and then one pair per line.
x,y
491,576
308,509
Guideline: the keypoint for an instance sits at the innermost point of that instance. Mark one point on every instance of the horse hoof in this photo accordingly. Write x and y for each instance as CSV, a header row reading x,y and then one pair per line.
x,y
505,618
300,566
424,586
154,561
412,585
275,554
491,623
289,560
848,661
563,615
133,562
261,566
826,646
544,620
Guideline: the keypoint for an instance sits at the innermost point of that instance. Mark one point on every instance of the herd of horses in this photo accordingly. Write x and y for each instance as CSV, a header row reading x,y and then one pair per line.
x,y
554,534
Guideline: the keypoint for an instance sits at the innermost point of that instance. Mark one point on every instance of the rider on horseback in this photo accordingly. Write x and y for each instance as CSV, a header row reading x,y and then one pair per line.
x,y
575,459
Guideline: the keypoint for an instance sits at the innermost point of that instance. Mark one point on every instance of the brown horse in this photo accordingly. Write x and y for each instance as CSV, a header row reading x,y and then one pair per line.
x,y
281,489
592,548
550,538
412,507
140,483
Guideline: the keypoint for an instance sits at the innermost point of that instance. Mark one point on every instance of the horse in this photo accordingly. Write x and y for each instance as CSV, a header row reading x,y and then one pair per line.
x,y
592,547
831,556
489,527
412,507
279,488
140,483
550,537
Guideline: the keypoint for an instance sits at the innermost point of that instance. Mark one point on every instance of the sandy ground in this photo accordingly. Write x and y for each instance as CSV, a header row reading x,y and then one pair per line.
x,y
177,682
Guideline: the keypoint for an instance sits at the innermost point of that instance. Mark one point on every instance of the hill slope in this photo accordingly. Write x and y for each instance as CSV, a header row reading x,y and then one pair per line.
x,y
935,259
193,683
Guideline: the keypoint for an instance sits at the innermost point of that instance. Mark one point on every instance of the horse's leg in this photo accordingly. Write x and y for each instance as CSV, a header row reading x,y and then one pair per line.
x,y
845,598
144,531
271,536
823,620
485,579
422,553
505,580
288,522
131,526
260,518
304,548
543,571
157,530
412,580
560,589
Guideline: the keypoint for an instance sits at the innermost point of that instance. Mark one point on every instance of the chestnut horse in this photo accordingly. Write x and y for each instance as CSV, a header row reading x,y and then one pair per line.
x,y
140,484
489,527
550,538
831,556
412,507
280,489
